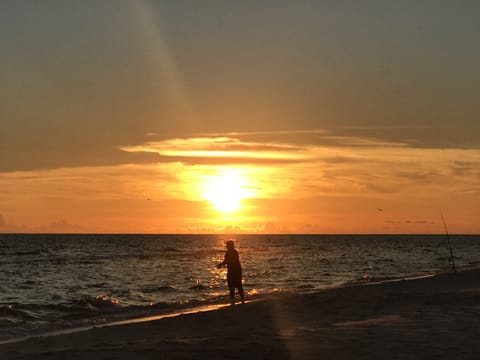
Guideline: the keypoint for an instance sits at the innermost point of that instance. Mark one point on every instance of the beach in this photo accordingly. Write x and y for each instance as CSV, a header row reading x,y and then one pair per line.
x,y
319,158
425,318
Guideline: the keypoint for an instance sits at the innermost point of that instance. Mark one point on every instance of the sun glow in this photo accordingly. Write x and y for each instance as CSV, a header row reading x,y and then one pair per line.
x,y
226,191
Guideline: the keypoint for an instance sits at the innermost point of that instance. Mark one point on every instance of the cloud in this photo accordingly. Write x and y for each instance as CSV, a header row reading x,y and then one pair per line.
x,y
59,226
357,141
385,127
344,145
420,175
226,149
316,161
245,147
6,227
462,167
302,180
62,226
69,156
275,133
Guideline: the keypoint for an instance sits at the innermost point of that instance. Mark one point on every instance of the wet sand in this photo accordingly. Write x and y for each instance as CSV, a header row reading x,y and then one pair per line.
x,y
430,318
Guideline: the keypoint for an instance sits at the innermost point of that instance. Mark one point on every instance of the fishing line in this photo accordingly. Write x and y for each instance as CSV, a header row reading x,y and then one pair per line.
x,y
451,258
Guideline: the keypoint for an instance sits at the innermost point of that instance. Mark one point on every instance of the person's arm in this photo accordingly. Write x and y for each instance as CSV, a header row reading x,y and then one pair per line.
x,y
223,262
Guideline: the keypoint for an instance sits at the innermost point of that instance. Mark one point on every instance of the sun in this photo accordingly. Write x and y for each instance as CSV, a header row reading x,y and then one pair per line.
x,y
226,190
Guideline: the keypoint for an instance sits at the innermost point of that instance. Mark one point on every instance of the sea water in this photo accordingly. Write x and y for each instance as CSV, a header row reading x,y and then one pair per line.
x,y
55,281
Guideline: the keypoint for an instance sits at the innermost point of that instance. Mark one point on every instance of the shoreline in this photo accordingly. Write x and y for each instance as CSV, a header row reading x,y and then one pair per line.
x,y
153,315
430,317
126,321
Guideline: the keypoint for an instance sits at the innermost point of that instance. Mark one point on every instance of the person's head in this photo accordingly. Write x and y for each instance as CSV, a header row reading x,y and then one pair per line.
x,y
230,244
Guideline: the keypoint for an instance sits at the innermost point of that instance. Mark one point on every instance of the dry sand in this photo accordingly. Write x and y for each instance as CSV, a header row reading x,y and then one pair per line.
x,y
428,318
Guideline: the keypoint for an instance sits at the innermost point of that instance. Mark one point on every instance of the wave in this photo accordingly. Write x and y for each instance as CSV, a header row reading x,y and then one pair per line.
x,y
167,288
96,311
199,287
161,289
85,307
102,302
370,279
170,249
17,321
305,286
28,253
138,273
14,314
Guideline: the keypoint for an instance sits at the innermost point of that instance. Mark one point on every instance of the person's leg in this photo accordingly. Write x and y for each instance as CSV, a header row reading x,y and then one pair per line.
x,y
240,291
232,295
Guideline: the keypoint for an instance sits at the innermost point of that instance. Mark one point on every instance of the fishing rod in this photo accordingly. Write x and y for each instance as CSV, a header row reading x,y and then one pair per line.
x,y
452,258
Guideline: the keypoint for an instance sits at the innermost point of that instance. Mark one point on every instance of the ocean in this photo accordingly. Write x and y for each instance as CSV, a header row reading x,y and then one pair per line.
x,y
53,281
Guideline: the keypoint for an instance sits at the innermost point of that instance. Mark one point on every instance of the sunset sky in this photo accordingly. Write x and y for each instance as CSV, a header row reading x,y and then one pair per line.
x,y
239,116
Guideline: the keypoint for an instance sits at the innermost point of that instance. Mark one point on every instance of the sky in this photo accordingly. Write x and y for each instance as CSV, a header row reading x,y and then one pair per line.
x,y
239,116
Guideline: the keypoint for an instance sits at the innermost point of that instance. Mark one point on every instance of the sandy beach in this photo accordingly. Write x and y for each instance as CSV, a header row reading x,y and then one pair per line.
x,y
428,318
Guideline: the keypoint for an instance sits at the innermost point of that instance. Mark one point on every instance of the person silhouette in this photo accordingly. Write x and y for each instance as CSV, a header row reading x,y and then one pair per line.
x,y
234,272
